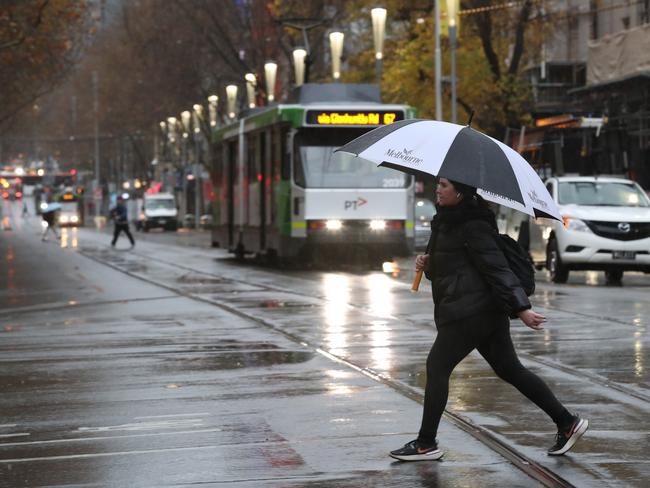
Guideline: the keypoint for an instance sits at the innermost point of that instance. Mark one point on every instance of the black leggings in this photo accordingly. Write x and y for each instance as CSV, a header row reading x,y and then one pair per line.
x,y
122,228
489,334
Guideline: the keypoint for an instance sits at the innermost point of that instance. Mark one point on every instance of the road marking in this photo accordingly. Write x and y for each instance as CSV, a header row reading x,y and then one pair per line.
x,y
105,454
160,424
3,426
105,438
18,434
202,414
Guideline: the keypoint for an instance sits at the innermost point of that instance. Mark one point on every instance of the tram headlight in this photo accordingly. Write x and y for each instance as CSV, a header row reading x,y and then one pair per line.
x,y
334,225
63,219
74,219
377,224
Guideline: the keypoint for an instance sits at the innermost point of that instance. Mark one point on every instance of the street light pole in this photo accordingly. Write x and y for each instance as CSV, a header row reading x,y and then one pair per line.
x,y
96,123
438,61
452,8
378,31
196,119
185,127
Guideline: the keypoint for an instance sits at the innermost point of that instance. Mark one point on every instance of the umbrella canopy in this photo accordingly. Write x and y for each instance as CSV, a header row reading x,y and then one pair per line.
x,y
458,153
51,207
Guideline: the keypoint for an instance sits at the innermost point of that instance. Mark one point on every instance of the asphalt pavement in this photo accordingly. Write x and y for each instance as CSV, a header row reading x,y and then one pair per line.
x,y
174,365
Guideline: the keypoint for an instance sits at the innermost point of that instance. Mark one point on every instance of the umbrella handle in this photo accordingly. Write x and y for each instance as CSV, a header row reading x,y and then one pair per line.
x,y
416,281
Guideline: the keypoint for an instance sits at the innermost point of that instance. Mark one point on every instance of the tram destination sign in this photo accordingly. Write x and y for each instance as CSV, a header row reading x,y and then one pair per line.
x,y
352,117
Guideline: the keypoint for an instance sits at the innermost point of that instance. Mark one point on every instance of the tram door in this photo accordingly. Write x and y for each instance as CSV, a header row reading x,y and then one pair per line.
x,y
231,172
263,168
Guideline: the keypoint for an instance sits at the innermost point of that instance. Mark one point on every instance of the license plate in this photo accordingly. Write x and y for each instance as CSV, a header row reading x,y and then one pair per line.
x,y
623,255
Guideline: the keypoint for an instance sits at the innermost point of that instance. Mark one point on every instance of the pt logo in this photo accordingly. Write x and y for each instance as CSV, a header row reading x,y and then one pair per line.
x,y
354,204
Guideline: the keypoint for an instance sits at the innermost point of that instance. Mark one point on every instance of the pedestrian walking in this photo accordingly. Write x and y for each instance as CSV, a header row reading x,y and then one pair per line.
x,y
120,218
25,210
49,223
475,293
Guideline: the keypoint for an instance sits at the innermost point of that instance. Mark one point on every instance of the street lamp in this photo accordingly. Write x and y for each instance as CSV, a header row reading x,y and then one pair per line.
x,y
197,115
270,73
171,129
212,107
299,55
336,45
378,32
251,83
185,123
452,10
231,97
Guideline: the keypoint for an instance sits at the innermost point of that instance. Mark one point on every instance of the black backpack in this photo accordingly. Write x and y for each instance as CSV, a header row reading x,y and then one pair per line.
x,y
519,262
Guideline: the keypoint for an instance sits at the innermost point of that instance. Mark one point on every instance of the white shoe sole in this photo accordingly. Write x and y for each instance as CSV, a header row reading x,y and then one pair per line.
x,y
429,456
582,427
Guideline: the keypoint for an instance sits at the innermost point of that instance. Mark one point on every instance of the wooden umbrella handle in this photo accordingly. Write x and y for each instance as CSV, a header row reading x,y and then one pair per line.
x,y
416,281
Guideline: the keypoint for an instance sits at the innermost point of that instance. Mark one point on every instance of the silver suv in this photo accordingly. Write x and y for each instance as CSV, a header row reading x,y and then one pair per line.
x,y
606,226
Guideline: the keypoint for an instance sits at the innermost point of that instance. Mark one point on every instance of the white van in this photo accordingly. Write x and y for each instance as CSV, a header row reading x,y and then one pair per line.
x,y
158,210
606,226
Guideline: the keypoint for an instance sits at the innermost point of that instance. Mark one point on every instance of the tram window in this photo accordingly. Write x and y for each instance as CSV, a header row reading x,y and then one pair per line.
x,y
285,164
251,150
316,165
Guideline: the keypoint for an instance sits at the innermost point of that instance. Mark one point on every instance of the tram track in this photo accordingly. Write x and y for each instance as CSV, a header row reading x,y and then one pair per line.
x,y
594,378
542,474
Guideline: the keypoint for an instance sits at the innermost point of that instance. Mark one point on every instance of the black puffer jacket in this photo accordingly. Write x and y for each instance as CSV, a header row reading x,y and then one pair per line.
x,y
469,273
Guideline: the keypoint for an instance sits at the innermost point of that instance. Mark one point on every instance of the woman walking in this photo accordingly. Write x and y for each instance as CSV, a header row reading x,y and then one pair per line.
x,y
475,294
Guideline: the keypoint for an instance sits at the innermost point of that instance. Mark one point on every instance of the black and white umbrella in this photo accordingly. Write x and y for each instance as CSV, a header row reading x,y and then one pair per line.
x,y
458,153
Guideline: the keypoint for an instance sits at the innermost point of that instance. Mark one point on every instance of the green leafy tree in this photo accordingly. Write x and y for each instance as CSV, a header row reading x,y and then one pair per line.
x,y
496,43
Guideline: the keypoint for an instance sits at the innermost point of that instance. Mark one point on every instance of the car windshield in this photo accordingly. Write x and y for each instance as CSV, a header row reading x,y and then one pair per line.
x,y
424,210
611,194
159,204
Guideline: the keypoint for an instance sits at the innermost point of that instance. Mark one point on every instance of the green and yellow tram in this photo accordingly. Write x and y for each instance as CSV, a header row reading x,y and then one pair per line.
x,y
280,190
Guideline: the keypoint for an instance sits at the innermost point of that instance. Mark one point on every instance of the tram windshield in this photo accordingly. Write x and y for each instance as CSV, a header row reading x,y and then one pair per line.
x,y
318,166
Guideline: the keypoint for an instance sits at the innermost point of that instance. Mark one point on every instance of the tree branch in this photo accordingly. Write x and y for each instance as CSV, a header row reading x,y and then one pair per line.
x,y
518,51
484,25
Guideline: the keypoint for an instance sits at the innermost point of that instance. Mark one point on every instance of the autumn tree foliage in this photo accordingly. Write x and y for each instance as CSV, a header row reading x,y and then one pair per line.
x,y
497,41
40,40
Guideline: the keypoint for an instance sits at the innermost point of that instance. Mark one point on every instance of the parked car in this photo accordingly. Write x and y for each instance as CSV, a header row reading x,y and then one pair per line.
x,y
606,226
424,212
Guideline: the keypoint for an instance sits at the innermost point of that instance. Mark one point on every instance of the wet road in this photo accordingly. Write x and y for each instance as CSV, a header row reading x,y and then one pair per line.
x,y
176,365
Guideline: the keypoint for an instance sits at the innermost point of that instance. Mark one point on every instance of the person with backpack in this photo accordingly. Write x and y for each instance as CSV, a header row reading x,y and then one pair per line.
x,y
475,293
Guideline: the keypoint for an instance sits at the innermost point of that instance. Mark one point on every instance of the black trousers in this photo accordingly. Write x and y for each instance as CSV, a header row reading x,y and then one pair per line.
x,y
490,335
119,228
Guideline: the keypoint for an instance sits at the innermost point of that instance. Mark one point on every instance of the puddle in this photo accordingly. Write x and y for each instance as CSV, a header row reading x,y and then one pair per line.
x,y
235,356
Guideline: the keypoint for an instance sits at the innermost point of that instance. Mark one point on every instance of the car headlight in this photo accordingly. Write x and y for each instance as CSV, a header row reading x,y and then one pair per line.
x,y
571,223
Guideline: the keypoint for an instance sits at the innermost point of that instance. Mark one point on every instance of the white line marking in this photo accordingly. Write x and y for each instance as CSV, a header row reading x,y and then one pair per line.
x,y
151,425
17,434
105,454
174,415
2,426
80,439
